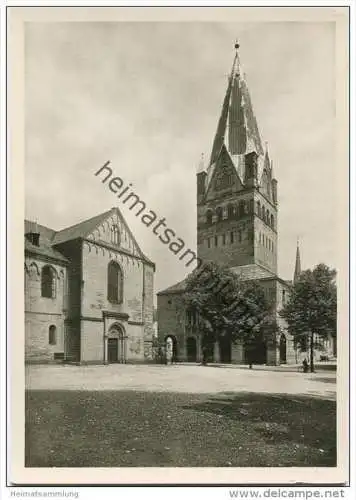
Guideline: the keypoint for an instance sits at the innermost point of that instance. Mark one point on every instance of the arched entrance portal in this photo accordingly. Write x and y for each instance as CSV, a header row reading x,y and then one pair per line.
x,y
283,349
191,349
116,344
170,344
225,350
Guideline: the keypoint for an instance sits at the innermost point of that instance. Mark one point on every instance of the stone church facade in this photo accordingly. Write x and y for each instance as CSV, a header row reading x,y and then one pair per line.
x,y
88,293
237,226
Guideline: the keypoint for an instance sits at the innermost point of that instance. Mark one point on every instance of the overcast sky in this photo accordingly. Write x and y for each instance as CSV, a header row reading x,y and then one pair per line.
x,y
147,96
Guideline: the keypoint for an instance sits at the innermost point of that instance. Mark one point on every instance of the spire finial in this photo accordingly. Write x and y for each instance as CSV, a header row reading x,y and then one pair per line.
x,y
236,65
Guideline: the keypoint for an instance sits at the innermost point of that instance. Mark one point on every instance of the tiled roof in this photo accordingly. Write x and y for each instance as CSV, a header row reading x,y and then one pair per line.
x,y
252,272
45,247
80,230
246,273
177,288
50,238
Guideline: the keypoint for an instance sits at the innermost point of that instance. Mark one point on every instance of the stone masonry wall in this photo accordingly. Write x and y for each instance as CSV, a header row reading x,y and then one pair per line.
x,y
148,306
171,321
42,312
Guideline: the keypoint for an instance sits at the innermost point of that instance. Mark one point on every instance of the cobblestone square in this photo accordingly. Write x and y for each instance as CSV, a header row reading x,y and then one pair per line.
x,y
178,416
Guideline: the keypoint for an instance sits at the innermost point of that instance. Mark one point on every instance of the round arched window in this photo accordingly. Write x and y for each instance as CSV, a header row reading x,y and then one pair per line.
x,y
52,335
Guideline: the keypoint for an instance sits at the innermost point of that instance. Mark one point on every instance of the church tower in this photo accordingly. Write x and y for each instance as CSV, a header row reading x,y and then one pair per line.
x,y
236,190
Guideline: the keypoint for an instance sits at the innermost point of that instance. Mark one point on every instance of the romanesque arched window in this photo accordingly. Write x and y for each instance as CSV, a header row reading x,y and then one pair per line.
x,y
209,217
267,216
263,213
48,282
115,283
251,206
219,213
115,235
52,335
259,208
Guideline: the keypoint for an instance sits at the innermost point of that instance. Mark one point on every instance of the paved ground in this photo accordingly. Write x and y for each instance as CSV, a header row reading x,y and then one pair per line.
x,y
191,379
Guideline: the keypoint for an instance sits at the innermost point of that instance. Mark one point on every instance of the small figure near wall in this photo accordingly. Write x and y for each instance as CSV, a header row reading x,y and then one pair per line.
x,y
169,351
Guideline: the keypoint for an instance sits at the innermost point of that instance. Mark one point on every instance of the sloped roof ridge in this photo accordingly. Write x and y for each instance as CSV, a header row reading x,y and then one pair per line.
x,y
80,229
176,288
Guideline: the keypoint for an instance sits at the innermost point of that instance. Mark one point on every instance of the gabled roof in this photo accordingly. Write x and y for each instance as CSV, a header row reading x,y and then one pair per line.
x,y
49,238
80,230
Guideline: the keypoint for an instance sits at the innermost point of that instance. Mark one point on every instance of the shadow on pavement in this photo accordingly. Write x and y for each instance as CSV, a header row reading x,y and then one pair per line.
x,y
299,420
326,380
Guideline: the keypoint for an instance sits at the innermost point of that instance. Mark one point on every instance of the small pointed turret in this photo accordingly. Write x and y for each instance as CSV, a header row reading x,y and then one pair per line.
x,y
297,269
267,162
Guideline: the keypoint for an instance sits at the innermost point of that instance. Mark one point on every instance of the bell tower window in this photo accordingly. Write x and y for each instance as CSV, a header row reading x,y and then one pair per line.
x,y
230,211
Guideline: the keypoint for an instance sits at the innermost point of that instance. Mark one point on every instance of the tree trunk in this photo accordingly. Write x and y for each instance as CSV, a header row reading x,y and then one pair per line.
x,y
312,370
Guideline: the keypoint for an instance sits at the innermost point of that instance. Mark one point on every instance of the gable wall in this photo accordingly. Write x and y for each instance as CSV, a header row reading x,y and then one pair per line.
x,y
104,233
95,261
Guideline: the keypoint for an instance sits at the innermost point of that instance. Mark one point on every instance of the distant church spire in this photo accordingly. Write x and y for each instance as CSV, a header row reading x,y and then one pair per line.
x,y
297,269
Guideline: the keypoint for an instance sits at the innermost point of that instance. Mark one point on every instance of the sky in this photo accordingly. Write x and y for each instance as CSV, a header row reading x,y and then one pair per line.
x,y
147,97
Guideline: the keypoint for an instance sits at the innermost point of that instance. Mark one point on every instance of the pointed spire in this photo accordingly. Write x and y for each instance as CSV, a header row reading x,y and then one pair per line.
x,y
297,270
237,127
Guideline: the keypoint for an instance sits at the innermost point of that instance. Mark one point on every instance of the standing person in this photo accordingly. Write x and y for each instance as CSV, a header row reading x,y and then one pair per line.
x,y
205,355
169,351
305,365
160,355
